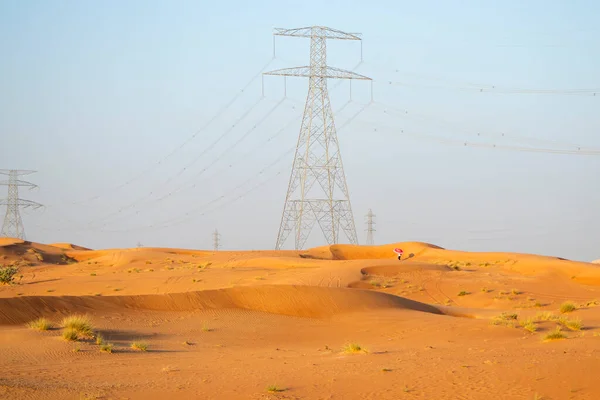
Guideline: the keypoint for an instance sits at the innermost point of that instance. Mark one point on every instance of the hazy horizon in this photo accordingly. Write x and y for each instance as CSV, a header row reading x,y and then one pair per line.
x,y
95,96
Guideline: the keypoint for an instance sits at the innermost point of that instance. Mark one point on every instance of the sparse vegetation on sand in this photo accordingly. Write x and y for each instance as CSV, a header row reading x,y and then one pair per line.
x,y
567,307
139,345
508,319
99,339
40,324
81,324
529,325
353,348
70,334
545,316
463,293
106,347
7,274
274,388
572,324
555,334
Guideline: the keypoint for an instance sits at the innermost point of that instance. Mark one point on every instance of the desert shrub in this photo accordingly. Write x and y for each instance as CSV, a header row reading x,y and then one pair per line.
x,y
274,388
70,334
528,325
40,324
106,347
463,293
80,324
508,319
567,307
138,345
99,339
572,324
353,348
545,316
555,334
7,274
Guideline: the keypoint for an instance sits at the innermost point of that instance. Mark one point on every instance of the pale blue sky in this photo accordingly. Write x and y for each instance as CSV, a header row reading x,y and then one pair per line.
x,y
93,94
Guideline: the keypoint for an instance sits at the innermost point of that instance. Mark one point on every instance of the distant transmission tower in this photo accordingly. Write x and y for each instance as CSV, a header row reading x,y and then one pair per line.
x,y
317,190
370,227
216,237
13,224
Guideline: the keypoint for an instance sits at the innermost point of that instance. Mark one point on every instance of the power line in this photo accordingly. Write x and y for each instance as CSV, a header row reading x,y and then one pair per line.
x,y
13,224
242,157
219,112
198,157
206,207
582,151
505,90
422,117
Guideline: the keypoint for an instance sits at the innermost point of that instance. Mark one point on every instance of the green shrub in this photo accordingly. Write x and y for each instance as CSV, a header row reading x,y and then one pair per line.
x,y
7,274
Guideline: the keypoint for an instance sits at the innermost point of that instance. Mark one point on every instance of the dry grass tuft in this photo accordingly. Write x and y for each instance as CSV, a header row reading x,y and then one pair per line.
x,y
139,345
507,319
99,339
274,388
106,347
572,324
463,293
545,316
555,334
529,325
70,334
353,348
80,324
567,307
40,324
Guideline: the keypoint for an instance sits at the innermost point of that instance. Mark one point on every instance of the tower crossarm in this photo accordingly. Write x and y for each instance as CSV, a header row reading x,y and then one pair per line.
x,y
16,172
317,31
327,72
18,182
21,203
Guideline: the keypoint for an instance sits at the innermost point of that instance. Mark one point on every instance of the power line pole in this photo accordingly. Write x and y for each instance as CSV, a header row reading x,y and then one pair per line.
x,y
370,227
13,224
216,240
317,190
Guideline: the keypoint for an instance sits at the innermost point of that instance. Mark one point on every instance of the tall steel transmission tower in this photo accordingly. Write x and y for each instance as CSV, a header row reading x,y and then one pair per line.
x,y
216,240
370,227
317,190
13,224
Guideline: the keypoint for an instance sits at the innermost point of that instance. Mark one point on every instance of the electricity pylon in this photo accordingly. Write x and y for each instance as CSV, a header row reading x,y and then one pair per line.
x,y
370,227
13,224
317,159
216,237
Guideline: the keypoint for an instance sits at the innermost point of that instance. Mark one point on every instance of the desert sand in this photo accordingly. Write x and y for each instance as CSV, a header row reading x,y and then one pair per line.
x,y
334,322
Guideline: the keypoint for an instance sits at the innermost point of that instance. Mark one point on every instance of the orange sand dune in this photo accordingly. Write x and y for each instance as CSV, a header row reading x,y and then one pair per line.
x,y
300,301
68,246
284,317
